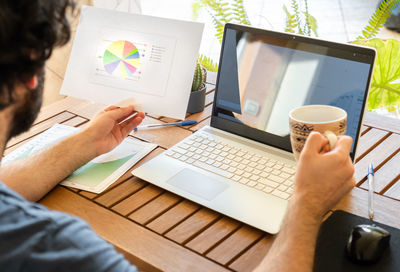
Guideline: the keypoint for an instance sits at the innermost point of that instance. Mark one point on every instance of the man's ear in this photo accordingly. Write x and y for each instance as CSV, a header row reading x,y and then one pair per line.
x,y
32,83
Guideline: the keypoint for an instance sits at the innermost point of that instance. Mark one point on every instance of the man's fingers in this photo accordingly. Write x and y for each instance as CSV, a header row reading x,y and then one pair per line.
x,y
128,102
120,113
129,125
131,116
344,143
315,142
112,107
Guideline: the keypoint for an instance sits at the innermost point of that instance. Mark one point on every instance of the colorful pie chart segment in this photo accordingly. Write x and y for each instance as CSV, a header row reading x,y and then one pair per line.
x,y
121,58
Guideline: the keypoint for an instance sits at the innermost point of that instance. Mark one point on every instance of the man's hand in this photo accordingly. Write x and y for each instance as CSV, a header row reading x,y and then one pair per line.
x,y
34,176
323,178
106,131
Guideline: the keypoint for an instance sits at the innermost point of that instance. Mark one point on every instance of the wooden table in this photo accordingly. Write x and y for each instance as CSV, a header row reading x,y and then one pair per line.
x,y
157,230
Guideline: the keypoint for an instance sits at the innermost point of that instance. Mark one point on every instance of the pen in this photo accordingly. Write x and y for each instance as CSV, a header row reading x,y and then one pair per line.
x,y
182,123
371,190
129,117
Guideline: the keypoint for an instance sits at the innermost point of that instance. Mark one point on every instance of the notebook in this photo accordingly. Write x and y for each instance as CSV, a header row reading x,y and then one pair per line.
x,y
242,165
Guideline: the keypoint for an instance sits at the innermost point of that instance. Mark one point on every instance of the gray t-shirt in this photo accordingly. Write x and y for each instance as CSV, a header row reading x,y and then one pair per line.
x,y
33,238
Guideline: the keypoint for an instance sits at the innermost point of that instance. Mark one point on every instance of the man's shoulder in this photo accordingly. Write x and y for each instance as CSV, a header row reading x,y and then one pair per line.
x,y
27,228
14,208
33,236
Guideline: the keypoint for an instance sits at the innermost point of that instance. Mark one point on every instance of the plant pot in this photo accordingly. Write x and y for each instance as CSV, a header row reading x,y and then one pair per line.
x,y
197,100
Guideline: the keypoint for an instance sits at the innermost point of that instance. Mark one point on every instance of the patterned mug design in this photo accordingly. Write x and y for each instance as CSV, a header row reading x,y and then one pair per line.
x,y
300,131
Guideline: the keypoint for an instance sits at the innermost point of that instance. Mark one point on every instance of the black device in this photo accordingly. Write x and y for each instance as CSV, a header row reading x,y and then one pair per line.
x,y
331,249
367,243
264,74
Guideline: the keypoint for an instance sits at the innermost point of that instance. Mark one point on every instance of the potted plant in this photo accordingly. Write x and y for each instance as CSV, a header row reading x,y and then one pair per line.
x,y
198,94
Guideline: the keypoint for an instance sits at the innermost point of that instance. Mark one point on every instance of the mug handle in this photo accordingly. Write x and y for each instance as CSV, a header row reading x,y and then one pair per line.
x,y
332,138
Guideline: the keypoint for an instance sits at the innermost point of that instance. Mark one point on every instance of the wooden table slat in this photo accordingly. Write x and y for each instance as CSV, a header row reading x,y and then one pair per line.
x,y
377,156
394,191
87,194
121,191
75,122
369,141
386,175
252,257
235,244
173,216
70,188
57,107
192,225
212,235
137,200
154,208
364,129
142,245
382,122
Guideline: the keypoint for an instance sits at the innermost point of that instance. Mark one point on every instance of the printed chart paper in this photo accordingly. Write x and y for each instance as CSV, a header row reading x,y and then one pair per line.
x,y
125,59
99,173
119,55
40,142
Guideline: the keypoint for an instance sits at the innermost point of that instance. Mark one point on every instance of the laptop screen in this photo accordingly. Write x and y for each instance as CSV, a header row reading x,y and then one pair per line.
x,y
263,75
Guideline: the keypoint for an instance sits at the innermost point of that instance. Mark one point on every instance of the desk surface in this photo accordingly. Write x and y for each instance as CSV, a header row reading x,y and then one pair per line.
x,y
158,230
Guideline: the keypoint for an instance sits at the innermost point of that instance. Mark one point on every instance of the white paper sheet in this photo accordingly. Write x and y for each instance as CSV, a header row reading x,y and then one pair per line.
x,y
99,173
118,55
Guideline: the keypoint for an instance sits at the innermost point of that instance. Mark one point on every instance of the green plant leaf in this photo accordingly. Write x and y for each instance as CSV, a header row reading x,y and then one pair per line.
x,y
290,21
378,19
196,6
222,12
295,7
385,85
301,22
312,24
208,63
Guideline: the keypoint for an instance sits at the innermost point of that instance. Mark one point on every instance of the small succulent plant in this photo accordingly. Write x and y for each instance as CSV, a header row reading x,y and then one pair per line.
x,y
199,77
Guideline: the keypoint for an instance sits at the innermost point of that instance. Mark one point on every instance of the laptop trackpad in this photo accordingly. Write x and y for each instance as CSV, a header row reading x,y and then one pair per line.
x,y
198,184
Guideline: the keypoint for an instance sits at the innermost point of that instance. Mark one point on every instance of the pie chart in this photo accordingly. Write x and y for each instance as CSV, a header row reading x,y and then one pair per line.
x,y
121,58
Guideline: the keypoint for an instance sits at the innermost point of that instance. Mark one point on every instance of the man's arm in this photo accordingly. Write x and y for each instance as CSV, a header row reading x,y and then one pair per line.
x,y
35,176
322,179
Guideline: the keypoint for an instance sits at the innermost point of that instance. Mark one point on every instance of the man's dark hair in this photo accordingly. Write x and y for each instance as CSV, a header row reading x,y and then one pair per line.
x,y
29,30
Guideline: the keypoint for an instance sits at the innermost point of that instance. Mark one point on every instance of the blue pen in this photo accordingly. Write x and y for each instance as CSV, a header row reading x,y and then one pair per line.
x,y
182,123
371,190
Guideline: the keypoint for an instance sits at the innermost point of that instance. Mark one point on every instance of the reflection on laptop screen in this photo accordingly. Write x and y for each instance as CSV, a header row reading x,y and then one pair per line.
x,y
262,78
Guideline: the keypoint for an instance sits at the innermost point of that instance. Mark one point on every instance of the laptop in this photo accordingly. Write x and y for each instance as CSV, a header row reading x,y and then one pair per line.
x,y
242,164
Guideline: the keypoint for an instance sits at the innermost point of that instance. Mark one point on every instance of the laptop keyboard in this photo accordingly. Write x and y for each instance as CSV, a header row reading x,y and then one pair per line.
x,y
255,171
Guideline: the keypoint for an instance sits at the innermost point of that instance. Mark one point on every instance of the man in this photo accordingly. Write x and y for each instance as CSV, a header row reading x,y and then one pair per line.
x,y
33,238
